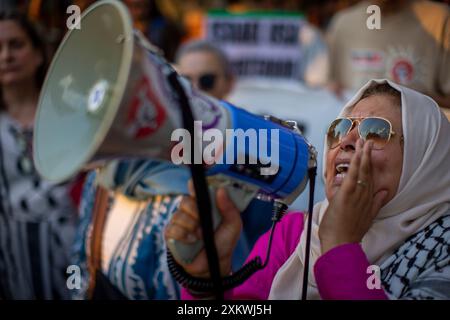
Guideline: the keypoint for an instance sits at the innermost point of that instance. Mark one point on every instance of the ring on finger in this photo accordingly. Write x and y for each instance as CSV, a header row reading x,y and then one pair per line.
x,y
361,183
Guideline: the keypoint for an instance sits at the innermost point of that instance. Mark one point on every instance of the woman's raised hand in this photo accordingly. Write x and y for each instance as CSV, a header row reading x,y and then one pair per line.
x,y
185,227
354,206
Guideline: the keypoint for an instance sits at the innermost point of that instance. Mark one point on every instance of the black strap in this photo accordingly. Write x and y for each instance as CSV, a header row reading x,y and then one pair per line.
x,y
312,181
201,191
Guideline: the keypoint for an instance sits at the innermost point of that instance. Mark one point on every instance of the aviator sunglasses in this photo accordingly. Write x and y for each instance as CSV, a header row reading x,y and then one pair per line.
x,y
376,129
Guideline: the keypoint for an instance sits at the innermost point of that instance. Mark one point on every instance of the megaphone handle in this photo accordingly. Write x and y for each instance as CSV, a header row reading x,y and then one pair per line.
x,y
188,252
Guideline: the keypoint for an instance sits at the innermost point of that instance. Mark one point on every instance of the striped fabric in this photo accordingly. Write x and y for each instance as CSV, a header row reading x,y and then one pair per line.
x,y
37,222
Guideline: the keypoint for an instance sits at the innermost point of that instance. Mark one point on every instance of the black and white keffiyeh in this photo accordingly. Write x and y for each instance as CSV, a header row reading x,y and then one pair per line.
x,y
420,268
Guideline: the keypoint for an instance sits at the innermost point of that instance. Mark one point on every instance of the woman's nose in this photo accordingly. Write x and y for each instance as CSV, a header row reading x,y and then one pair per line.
x,y
348,142
5,53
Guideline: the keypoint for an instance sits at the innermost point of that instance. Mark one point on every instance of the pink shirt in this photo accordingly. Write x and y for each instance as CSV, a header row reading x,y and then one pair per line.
x,y
341,273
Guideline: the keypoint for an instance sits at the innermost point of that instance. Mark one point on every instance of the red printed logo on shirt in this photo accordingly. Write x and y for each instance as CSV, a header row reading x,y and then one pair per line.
x,y
402,71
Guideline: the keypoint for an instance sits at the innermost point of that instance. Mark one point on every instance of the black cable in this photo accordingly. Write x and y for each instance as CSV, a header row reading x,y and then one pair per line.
x,y
279,209
206,285
312,180
201,190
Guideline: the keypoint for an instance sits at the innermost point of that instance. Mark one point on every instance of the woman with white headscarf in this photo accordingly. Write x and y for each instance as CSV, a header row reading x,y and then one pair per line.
x,y
387,172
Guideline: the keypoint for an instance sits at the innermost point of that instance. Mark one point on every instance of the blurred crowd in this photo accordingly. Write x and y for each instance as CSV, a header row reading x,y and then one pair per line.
x,y
324,41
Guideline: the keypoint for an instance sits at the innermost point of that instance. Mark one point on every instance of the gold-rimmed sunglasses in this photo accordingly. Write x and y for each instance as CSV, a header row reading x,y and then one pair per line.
x,y
376,129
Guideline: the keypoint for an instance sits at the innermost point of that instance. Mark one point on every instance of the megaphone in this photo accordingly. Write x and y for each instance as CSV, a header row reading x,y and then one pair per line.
x,y
107,96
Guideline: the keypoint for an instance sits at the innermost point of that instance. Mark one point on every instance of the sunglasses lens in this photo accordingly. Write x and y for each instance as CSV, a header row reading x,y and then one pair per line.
x,y
207,81
337,130
376,130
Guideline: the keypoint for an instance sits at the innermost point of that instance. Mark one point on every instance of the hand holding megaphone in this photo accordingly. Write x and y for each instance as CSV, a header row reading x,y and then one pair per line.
x,y
236,195
184,227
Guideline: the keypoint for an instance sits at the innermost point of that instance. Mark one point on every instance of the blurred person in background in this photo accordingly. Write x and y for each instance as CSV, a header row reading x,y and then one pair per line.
x,y
314,56
50,18
412,47
207,67
154,19
37,218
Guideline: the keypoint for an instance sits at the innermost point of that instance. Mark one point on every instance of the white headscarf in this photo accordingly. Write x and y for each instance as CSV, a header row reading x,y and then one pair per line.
x,y
422,197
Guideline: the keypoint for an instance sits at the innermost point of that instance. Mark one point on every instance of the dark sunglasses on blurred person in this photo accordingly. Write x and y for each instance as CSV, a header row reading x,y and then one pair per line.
x,y
205,82
376,129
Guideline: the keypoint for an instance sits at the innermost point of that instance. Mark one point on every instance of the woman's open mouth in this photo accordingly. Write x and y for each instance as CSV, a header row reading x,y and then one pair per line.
x,y
341,170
